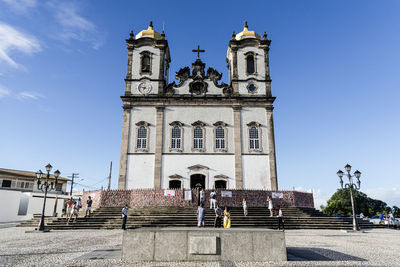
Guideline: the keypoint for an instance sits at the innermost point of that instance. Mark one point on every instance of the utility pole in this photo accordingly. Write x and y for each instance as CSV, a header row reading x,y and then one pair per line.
x,y
74,175
109,177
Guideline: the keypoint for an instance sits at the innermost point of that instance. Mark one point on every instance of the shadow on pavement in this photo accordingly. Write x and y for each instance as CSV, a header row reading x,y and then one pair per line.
x,y
318,254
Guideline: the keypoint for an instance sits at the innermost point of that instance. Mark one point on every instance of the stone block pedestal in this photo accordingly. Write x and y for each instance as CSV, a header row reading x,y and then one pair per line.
x,y
205,244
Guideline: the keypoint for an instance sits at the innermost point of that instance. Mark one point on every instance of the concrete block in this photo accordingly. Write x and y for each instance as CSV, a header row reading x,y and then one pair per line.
x,y
170,245
138,245
236,246
203,245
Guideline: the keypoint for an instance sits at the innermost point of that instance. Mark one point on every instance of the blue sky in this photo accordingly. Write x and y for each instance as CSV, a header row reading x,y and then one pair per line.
x,y
334,68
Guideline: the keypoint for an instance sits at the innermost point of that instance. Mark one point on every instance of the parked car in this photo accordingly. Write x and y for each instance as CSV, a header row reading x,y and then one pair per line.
x,y
376,220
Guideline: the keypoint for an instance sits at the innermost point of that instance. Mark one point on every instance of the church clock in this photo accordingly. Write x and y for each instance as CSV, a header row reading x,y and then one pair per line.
x,y
145,87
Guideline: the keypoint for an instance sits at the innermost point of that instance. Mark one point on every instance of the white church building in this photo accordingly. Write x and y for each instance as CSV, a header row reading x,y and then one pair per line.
x,y
198,130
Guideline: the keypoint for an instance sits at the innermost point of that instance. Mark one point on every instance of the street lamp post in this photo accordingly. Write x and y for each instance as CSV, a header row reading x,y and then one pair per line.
x,y
44,187
351,185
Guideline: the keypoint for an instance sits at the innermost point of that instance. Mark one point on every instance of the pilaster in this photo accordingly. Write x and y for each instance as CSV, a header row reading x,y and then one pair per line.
x,y
271,150
159,146
124,148
235,75
237,132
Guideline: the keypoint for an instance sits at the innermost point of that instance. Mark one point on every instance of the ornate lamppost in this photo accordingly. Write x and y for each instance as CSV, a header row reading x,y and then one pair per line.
x,y
351,185
44,187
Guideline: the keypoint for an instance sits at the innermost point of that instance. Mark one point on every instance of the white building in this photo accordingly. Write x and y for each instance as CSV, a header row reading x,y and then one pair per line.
x,y
198,130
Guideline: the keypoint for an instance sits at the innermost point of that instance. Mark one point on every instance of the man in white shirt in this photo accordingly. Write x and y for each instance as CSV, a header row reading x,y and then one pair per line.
x,y
213,200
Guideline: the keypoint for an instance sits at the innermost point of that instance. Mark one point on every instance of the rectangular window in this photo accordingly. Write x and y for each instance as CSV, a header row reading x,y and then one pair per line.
x,y
6,183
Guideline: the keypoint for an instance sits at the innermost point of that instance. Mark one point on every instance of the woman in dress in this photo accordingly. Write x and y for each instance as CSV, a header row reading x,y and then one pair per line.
x,y
227,218
270,206
244,203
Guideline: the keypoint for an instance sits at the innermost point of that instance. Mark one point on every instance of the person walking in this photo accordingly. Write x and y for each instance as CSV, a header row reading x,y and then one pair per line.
x,y
218,217
202,197
89,203
70,209
227,218
270,206
281,221
244,204
201,212
213,200
124,216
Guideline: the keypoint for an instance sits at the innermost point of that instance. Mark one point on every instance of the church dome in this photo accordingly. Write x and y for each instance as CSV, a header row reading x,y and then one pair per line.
x,y
149,33
246,33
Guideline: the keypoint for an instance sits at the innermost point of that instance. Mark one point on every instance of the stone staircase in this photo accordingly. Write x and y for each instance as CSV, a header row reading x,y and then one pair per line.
x,y
110,218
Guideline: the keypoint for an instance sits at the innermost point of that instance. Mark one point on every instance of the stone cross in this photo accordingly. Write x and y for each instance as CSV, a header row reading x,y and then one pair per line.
x,y
198,51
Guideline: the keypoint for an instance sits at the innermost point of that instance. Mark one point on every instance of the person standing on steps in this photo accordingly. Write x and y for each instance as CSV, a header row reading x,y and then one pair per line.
x,y
124,217
244,204
227,218
281,220
201,212
218,217
213,200
89,203
270,206
202,197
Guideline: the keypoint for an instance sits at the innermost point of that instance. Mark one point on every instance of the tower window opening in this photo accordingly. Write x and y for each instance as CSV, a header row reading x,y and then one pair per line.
x,y
250,64
146,63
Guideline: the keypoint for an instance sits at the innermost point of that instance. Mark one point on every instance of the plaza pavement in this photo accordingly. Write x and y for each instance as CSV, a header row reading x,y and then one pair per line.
x,y
376,247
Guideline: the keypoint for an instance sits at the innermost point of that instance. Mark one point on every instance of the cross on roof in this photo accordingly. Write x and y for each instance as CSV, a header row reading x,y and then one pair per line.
x,y
198,51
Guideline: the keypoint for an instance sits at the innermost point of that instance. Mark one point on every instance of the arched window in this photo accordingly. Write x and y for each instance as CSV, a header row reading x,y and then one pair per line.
x,y
176,137
175,184
146,66
220,135
198,137
141,138
220,184
220,138
254,140
250,64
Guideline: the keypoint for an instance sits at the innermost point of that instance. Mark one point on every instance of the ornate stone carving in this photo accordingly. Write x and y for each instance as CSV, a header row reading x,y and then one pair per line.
x,y
214,75
182,75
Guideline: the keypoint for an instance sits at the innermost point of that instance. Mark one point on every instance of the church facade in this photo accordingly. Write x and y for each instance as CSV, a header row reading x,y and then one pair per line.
x,y
198,131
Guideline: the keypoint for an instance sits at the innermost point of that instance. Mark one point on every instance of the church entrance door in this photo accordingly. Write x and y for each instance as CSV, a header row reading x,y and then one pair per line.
x,y
197,180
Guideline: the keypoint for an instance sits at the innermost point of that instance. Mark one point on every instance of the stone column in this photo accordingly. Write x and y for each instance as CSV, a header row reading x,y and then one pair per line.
x,y
271,149
126,122
237,133
129,71
235,75
159,147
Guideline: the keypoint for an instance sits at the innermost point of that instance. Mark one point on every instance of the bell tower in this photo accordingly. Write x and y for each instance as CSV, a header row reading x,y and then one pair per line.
x,y
148,62
248,63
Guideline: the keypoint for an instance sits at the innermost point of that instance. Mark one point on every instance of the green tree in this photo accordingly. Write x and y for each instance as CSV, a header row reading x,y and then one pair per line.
x,y
340,203
396,211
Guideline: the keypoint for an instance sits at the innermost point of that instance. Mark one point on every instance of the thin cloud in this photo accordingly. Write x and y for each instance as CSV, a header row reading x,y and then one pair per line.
x,y
390,195
12,40
4,92
29,96
20,6
73,25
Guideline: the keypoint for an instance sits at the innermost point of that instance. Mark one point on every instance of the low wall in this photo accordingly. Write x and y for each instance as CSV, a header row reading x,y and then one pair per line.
x,y
211,244
156,197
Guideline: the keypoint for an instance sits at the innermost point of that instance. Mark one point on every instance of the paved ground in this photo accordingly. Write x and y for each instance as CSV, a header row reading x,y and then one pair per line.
x,y
378,247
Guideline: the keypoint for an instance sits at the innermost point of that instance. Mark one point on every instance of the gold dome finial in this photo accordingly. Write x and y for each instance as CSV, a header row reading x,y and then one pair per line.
x,y
246,33
149,33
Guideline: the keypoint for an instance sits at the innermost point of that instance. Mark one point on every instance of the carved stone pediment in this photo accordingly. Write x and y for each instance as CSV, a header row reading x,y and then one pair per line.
x,y
182,75
197,167
175,176
202,124
198,85
221,176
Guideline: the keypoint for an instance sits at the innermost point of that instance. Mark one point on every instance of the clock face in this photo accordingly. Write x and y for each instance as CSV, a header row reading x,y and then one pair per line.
x,y
145,87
